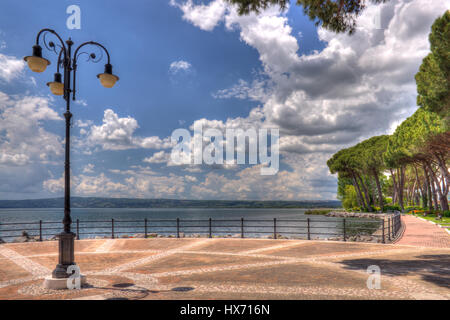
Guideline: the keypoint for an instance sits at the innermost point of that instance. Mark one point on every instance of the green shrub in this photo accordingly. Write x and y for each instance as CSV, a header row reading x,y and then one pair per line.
x,y
411,208
349,199
392,208
318,211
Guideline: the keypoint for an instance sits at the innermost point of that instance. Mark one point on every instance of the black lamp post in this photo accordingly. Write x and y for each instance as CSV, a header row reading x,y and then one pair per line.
x,y
38,64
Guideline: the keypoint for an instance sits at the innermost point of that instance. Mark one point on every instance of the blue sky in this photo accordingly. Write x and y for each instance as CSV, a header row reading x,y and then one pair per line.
x,y
232,71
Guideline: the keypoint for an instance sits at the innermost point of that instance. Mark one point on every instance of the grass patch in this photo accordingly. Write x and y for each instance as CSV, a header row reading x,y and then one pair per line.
x,y
432,217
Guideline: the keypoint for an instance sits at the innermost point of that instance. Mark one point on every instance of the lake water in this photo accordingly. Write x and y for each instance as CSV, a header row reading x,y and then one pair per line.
x,y
98,222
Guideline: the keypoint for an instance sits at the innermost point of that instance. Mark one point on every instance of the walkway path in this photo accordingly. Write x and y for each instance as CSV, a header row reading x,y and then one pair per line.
x,y
423,233
164,268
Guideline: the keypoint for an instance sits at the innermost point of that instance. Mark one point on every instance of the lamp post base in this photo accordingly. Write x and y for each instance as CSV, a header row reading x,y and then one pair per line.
x,y
61,276
61,284
66,255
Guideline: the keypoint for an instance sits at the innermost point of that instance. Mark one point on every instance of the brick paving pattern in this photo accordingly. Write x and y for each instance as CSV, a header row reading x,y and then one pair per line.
x,y
423,233
232,269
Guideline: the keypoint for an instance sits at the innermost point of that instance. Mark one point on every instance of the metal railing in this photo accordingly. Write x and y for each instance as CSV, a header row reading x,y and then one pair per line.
x,y
391,227
344,229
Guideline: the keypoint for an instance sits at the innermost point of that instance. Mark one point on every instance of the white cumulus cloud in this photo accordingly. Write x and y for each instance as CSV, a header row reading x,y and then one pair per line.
x,y
204,16
10,67
117,133
178,66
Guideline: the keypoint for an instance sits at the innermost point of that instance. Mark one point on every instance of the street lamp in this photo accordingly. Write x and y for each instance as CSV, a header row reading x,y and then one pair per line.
x,y
63,88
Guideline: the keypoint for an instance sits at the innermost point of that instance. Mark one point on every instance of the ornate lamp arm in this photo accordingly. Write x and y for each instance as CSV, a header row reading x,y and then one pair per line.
x,y
92,56
59,59
91,43
57,36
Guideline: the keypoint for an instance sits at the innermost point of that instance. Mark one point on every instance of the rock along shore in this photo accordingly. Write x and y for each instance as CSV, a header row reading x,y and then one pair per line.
x,y
358,238
366,215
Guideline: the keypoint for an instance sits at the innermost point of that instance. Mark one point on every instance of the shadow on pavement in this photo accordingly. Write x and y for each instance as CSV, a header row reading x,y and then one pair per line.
x,y
431,268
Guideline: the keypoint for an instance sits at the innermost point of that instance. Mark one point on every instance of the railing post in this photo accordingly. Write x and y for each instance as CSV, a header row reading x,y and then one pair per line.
x,y
309,231
145,228
40,230
382,232
274,228
112,228
78,229
178,227
210,227
242,227
393,227
397,224
389,228
345,237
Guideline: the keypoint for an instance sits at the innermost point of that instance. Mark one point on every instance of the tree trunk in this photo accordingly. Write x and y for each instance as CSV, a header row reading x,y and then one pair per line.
x,y
394,187
408,196
435,186
445,180
413,193
380,193
401,183
358,197
366,193
444,193
444,203
421,189
428,185
434,194
358,191
371,197
426,195
443,168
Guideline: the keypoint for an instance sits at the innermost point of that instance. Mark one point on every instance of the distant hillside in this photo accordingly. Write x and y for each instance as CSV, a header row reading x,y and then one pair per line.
x,y
81,202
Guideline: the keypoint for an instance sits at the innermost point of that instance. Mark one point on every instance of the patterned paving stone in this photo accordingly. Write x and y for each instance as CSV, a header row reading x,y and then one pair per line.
x,y
153,244
197,261
309,249
229,269
10,270
93,262
32,248
238,245
291,275
23,262
423,233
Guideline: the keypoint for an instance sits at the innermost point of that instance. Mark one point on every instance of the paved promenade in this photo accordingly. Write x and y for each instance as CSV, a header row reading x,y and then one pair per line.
x,y
229,269
423,233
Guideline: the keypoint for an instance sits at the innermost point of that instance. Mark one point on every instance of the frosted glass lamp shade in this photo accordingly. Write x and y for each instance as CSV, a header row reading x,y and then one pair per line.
x,y
56,87
108,80
37,64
